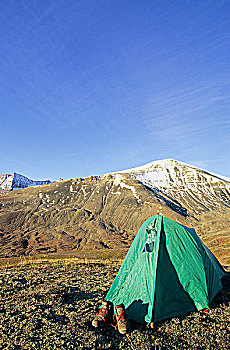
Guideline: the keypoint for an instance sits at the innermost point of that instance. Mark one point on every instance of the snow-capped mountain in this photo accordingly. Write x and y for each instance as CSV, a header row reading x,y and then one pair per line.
x,y
9,182
183,184
166,165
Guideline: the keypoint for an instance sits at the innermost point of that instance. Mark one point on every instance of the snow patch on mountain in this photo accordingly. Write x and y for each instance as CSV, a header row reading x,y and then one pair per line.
x,y
118,181
6,182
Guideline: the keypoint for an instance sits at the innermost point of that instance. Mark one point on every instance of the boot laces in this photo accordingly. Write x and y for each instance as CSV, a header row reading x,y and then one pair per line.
x,y
118,318
103,312
121,317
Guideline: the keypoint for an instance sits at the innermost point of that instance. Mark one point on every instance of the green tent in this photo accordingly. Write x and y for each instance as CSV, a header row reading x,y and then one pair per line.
x,y
167,272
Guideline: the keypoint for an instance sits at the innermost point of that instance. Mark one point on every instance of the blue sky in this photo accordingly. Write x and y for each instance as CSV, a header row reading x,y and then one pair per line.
x,y
89,87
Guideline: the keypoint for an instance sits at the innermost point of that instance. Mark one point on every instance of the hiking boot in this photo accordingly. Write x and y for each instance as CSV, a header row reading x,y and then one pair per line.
x,y
121,318
104,315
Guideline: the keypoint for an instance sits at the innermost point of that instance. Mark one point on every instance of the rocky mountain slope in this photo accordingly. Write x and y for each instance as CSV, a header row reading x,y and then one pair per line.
x,y
9,182
105,212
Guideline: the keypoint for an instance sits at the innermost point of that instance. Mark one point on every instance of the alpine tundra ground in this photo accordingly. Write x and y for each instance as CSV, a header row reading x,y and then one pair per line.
x,y
51,306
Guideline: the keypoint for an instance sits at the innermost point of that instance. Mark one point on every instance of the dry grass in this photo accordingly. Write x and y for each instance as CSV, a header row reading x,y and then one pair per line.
x,y
87,256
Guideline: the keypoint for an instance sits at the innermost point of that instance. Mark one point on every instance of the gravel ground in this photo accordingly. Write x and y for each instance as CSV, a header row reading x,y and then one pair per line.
x,y
51,307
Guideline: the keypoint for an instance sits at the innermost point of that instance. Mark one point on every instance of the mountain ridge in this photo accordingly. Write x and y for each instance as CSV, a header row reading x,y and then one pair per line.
x,y
156,162
19,181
